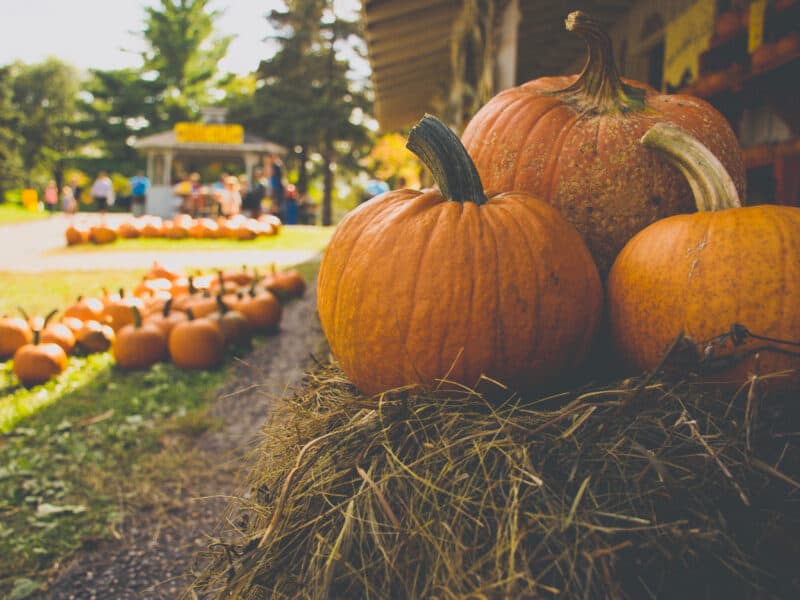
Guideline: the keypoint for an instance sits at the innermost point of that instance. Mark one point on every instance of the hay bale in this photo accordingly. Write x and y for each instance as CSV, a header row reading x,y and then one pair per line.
x,y
647,489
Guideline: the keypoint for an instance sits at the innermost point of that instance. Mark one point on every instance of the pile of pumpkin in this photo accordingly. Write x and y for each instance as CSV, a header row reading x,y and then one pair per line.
x,y
189,320
238,227
595,182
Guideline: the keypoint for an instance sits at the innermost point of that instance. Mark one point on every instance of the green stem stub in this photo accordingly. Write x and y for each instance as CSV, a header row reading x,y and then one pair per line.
x,y
435,144
711,184
599,88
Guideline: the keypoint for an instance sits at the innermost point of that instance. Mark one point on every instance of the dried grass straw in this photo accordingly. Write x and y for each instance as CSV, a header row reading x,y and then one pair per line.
x,y
644,490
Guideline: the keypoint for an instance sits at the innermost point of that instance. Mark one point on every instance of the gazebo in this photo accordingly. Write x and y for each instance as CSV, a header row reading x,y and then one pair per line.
x,y
211,139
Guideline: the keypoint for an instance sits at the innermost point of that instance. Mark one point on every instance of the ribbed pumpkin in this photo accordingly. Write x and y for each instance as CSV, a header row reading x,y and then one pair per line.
x,y
416,286
235,327
37,363
139,345
94,337
167,318
699,274
262,309
117,311
196,343
573,142
85,309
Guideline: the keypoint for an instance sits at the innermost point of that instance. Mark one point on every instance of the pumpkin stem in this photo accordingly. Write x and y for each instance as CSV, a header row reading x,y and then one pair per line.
x,y
223,308
599,88
167,308
49,316
24,313
711,185
439,148
137,317
37,336
189,314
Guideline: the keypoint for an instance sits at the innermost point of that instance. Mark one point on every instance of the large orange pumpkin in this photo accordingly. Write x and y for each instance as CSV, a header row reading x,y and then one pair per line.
x,y
573,141
416,286
139,345
701,273
37,363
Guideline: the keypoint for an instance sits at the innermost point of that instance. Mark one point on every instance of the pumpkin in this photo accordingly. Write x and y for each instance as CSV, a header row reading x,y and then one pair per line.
x,y
167,318
117,311
262,309
151,227
699,274
74,323
285,284
85,309
196,343
77,234
102,234
14,333
94,336
574,143
234,325
38,363
160,271
139,344
56,333
130,229
420,286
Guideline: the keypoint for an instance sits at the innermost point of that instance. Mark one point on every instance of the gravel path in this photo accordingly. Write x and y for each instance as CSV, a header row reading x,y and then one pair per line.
x,y
154,554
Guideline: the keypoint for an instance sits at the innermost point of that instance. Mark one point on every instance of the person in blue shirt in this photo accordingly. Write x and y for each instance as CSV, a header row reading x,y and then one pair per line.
x,y
140,184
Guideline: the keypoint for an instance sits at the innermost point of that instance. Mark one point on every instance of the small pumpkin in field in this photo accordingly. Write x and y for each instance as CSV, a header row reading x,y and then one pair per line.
x,y
262,309
285,283
416,287
574,143
77,233
139,344
235,327
15,332
167,318
117,311
196,343
102,234
85,309
94,336
699,274
57,333
130,229
37,363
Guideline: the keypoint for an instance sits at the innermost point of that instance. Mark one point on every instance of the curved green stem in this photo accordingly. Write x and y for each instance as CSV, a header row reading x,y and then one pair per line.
x,y
599,88
443,153
711,185
167,308
137,317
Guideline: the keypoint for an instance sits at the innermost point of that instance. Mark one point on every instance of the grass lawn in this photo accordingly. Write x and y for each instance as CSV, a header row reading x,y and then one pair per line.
x,y
11,213
294,237
79,452
39,293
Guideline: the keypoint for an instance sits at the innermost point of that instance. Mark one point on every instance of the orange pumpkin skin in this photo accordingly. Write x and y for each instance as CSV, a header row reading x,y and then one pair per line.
x,y
59,333
14,333
35,364
138,346
587,161
196,344
95,337
701,273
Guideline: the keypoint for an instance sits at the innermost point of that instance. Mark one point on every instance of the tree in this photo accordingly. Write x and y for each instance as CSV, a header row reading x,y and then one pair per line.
x,y
11,173
183,53
307,97
46,95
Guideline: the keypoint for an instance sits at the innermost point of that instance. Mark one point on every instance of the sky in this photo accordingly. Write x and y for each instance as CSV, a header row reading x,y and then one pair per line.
x,y
97,33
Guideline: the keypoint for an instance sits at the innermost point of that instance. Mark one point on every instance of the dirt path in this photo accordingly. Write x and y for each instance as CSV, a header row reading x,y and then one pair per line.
x,y
154,554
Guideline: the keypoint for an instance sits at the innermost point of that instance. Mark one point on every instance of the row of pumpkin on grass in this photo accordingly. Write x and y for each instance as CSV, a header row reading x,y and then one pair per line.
x,y
237,227
190,320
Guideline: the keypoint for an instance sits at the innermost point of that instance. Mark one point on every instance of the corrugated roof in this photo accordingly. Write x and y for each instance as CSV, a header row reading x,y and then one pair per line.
x,y
408,47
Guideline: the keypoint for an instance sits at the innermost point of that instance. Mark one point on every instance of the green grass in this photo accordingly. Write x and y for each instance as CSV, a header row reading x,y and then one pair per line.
x,y
39,293
11,213
299,237
97,442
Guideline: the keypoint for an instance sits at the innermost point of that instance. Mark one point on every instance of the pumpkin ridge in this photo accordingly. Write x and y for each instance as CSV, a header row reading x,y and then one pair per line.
x,y
555,157
409,322
540,119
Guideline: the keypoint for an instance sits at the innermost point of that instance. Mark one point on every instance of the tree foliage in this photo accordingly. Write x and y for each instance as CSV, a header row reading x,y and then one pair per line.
x,y
10,159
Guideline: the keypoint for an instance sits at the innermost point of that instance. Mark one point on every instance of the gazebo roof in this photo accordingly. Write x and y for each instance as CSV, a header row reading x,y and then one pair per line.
x,y
167,140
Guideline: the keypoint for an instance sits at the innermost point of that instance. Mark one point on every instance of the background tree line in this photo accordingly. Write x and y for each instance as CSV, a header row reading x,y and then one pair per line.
x,y
306,96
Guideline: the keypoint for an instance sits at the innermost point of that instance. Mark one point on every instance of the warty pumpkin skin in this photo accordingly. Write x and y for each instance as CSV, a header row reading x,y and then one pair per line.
x,y
701,273
573,141
416,286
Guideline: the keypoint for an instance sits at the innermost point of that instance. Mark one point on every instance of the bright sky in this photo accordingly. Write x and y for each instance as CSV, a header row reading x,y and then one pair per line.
x,y
97,33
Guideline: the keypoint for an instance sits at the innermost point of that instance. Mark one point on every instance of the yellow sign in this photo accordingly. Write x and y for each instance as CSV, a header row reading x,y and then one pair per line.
x,y
209,133
685,39
30,199
756,29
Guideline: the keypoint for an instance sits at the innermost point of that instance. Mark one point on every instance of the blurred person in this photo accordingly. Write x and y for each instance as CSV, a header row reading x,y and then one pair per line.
x,y
50,196
230,199
102,192
69,204
140,185
256,191
275,175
